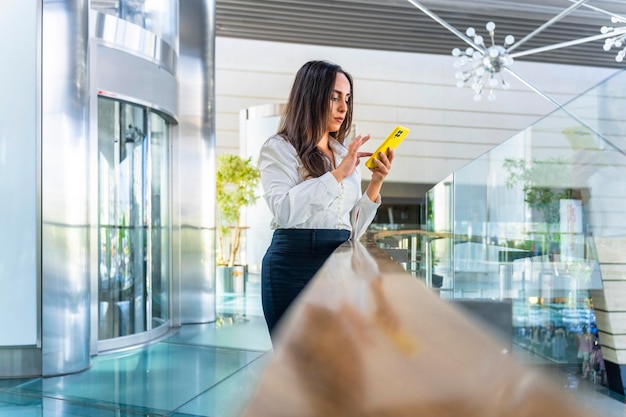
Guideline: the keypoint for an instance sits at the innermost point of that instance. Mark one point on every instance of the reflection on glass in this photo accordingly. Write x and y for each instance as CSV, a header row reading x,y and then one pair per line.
x,y
530,221
133,241
437,246
157,16
159,218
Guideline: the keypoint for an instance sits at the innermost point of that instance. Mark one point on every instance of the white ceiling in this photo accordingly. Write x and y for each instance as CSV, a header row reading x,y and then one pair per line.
x,y
397,25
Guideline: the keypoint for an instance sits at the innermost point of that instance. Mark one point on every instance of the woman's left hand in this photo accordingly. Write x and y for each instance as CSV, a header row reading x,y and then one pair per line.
x,y
383,165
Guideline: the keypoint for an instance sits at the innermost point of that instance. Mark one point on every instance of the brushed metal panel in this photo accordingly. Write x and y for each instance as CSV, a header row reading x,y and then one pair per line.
x,y
194,166
20,362
94,255
119,33
197,292
122,75
65,220
134,340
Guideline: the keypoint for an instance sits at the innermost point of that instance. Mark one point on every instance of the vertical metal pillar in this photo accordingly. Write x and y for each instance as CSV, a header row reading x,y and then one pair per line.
x,y
64,192
194,165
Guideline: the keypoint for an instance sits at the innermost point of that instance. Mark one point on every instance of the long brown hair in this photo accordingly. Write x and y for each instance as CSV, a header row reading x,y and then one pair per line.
x,y
307,113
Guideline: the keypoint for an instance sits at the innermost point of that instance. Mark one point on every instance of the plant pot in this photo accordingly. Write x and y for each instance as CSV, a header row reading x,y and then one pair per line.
x,y
437,280
231,279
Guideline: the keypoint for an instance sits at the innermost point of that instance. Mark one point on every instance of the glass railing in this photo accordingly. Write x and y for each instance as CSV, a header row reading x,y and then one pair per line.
x,y
538,221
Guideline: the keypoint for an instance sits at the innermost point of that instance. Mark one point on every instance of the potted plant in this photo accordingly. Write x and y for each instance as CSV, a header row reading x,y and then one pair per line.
x,y
237,179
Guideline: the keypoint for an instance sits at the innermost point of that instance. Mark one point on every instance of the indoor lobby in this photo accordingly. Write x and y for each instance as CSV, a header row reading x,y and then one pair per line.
x,y
492,280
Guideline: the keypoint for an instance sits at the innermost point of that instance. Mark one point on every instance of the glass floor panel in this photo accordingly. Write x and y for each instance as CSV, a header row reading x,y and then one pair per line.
x,y
228,397
201,370
17,405
234,332
158,378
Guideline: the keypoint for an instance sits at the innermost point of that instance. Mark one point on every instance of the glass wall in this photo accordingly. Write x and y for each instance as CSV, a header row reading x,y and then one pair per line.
x,y
437,248
133,237
531,220
158,221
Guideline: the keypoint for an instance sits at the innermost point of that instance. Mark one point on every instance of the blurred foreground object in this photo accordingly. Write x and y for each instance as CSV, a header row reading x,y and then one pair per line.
x,y
367,339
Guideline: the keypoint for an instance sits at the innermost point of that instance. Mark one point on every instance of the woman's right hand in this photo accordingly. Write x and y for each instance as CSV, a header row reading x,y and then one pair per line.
x,y
352,158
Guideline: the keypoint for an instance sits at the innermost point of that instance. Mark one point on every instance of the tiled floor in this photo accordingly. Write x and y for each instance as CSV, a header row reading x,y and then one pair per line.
x,y
206,370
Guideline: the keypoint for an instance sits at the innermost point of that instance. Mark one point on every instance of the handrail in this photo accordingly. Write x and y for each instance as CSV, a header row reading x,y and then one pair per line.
x,y
385,233
367,339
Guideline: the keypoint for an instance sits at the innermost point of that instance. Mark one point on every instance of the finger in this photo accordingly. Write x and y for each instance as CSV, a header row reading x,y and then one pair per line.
x,y
381,167
387,157
360,155
382,156
378,166
355,144
359,140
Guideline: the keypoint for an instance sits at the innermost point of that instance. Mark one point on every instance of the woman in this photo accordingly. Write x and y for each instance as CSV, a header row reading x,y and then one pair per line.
x,y
312,184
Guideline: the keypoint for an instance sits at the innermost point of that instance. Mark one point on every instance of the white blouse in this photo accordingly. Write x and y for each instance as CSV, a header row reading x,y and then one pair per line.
x,y
298,202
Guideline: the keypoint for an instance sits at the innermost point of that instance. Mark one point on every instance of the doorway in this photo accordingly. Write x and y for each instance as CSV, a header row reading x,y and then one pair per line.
x,y
133,222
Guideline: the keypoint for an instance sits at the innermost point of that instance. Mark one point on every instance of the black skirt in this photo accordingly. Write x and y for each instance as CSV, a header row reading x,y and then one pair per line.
x,y
293,258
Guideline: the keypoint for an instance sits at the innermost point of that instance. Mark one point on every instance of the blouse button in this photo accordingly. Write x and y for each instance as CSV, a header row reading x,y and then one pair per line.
x,y
339,205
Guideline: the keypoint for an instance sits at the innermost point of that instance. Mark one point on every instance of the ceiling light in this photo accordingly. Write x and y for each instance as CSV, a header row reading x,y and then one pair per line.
x,y
480,66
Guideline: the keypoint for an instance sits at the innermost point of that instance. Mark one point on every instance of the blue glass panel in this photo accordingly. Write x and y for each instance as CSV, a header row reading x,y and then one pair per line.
x,y
157,379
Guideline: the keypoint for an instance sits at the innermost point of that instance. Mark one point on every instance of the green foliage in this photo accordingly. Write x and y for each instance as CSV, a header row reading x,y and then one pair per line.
x,y
544,183
236,182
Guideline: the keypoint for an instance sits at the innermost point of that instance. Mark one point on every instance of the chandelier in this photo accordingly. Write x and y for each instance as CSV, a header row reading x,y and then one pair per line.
x,y
481,65
616,35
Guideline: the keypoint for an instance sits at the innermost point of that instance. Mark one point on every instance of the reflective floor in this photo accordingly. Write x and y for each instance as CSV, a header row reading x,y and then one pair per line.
x,y
594,396
207,370
202,370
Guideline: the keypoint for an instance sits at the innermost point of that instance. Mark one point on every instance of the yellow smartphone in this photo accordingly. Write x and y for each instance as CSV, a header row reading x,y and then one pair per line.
x,y
396,136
